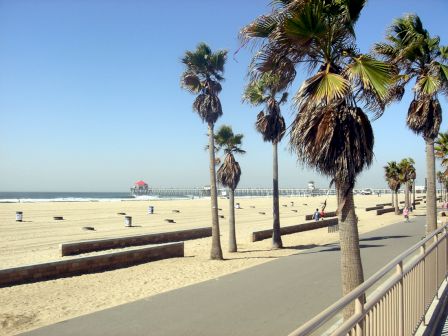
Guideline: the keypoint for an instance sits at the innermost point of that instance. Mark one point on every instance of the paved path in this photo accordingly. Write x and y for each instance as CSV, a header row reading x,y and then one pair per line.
x,y
270,299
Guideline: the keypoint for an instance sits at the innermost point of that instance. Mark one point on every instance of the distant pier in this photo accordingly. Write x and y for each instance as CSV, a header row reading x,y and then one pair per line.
x,y
248,192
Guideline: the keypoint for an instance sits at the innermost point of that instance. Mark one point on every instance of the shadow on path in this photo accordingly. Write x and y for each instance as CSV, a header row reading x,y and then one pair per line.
x,y
382,237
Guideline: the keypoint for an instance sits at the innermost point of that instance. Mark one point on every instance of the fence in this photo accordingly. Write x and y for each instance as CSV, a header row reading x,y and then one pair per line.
x,y
407,287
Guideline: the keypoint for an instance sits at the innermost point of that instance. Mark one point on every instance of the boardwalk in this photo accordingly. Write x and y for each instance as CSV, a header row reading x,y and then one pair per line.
x,y
270,299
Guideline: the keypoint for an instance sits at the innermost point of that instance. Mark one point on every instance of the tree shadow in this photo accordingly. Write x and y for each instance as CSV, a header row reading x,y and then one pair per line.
x,y
338,248
383,237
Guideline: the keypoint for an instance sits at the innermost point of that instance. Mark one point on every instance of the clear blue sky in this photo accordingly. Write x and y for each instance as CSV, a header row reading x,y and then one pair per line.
x,y
90,97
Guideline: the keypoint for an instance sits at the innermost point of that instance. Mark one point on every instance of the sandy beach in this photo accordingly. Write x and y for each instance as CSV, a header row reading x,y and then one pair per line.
x,y
37,239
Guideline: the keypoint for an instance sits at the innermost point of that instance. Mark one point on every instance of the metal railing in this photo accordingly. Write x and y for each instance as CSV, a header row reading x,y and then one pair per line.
x,y
405,289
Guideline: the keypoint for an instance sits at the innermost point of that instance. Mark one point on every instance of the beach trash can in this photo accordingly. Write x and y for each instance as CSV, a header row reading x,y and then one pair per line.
x,y
237,206
128,220
19,216
292,203
150,210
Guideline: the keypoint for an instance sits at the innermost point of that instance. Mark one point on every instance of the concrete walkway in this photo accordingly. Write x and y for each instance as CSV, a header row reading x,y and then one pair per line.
x,y
270,299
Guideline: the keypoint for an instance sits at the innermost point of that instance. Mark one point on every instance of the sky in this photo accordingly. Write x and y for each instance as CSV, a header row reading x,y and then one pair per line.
x,y
90,97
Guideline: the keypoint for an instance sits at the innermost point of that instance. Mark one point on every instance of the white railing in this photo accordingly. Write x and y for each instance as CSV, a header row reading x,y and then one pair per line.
x,y
404,290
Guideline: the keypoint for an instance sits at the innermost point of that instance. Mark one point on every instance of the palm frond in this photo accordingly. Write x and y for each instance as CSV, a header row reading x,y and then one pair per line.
x,y
372,75
324,86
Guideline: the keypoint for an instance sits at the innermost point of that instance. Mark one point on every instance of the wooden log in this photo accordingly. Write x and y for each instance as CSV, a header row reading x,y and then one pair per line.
x,y
265,234
327,215
375,208
383,211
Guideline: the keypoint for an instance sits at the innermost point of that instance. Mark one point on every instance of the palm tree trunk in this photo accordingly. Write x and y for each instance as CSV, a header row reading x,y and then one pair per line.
x,y
397,209
232,234
431,205
216,252
413,194
276,235
392,193
351,266
406,194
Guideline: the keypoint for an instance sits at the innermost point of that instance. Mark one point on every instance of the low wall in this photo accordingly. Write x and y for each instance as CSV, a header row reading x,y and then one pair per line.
x,y
385,204
265,234
91,264
377,207
327,215
85,246
383,211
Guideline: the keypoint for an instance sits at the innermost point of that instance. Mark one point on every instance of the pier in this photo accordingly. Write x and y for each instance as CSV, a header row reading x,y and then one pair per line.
x,y
249,192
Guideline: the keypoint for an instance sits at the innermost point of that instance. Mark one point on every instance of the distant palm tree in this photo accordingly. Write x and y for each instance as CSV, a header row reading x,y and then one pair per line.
x,y
229,173
392,175
441,179
331,132
441,152
419,56
407,175
271,125
202,76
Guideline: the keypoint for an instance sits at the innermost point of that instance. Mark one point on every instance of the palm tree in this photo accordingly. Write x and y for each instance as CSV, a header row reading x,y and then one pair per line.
x,y
271,125
229,173
441,152
441,179
202,76
331,132
392,174
419,57
407,175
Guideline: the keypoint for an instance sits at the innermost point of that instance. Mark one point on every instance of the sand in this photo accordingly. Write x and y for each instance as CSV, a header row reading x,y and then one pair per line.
x,y
37,239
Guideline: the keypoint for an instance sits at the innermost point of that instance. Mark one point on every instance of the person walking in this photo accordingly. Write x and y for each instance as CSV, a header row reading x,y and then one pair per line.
x,y
316,215
406,213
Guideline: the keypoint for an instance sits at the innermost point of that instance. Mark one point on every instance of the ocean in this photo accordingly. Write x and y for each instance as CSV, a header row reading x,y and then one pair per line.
x,y
16,197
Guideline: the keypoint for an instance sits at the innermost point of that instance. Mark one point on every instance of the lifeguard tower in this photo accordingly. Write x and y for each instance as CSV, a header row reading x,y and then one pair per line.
x,y
140,188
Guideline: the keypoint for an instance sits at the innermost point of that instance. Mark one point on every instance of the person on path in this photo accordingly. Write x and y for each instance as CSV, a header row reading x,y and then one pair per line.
x,y
316,215
406,214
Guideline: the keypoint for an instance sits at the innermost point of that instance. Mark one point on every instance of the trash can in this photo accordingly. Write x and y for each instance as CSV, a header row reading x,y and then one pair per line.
x,y
237,206
19,216
150,210
128,220
292,203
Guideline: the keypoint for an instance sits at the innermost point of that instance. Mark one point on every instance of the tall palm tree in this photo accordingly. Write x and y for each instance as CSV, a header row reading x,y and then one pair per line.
x,y
407,175
331,132
419,57
202,76
229,173
392,175
441,179
271,124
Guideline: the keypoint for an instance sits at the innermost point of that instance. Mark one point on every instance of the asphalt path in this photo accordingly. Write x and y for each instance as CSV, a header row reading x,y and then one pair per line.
x,y
266,300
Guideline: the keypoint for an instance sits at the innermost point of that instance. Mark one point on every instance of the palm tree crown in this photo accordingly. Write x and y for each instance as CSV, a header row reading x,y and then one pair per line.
x,y
203,74
331,132
419,56
441,148
264,90
392,175
229,173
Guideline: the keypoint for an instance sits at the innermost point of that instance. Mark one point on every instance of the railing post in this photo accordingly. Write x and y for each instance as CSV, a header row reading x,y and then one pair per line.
x,y
400,299
445,232
422,252
436,268
359,309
